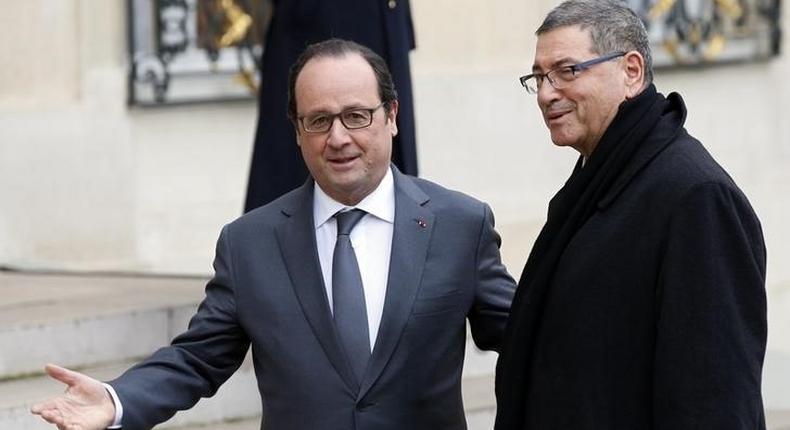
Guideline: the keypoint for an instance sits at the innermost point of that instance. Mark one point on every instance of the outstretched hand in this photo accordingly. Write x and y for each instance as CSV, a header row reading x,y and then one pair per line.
x,y
86,404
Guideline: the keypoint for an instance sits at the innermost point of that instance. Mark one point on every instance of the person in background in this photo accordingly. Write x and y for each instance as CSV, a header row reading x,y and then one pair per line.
x,y
385,26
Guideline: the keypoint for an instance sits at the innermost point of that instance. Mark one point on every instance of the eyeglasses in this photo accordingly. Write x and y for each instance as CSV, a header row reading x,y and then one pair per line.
x,y
560,77
351,119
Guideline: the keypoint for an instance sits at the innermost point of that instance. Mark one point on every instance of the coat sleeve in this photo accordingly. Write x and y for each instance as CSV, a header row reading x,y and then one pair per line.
x,y
196,363
711,314
494,289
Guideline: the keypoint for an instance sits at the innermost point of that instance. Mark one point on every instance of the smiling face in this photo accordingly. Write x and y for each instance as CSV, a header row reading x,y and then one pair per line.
x,y
578,115
347,164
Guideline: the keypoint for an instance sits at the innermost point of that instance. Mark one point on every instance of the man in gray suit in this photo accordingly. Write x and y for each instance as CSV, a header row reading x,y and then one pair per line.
x,y
369,336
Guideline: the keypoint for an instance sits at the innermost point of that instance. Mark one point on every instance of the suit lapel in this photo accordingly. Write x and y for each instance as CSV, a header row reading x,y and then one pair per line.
x,y
296,237
410,240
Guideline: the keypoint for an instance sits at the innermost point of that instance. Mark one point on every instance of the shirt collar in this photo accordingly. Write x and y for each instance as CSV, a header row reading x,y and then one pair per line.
x,y
380,203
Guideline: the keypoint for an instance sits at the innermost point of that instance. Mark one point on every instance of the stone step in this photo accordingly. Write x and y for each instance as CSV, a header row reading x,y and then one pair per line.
x,y
82,321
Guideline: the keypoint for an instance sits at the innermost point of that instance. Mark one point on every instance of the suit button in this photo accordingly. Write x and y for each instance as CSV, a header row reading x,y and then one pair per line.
x,y
392,4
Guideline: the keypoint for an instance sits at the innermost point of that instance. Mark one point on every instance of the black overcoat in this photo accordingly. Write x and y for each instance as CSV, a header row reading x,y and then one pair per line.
x,y
656,315
385,26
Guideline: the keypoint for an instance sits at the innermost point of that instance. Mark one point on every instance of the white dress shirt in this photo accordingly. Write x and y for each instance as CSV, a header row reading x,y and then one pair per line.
x,y
116,424
372,242
371,239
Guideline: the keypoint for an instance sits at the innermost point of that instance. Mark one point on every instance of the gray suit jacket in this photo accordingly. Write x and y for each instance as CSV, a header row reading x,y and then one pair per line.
x,y
268,292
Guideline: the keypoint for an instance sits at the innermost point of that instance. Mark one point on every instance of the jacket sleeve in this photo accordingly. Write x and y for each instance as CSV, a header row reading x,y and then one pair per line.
x,y
494,289
711,314
196,363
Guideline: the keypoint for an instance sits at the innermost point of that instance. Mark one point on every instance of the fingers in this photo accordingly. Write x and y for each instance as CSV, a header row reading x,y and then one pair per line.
x,y
49,412
54,416
50,409
46,408
86,404
39,409
63,375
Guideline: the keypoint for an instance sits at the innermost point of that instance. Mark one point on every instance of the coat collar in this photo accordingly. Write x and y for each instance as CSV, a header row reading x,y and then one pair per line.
x,y
662,135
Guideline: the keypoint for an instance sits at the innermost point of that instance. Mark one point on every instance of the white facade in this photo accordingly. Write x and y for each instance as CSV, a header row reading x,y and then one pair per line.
x,y
87,183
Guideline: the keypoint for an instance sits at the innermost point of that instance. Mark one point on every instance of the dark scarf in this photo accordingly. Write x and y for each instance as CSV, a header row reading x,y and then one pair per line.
x,y
570,208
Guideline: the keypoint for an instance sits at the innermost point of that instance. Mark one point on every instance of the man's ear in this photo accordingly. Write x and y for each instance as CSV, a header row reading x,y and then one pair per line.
x,y
634,65
392,115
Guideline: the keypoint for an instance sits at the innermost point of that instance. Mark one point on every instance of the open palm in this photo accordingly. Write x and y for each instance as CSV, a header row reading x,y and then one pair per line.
x,y
86,404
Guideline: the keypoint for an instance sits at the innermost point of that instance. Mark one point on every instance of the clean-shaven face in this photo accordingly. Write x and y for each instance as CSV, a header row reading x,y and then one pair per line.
x,y
347,164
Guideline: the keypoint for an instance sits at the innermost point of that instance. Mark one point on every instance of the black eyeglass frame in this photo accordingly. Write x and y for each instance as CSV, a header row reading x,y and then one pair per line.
x,y
574,69
340,114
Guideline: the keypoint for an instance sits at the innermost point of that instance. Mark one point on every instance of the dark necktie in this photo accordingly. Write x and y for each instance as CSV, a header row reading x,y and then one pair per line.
x,y
348,296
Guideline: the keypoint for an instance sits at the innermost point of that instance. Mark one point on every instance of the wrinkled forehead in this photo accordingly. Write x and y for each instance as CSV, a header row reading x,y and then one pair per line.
x,y
349,66
337,81
562,45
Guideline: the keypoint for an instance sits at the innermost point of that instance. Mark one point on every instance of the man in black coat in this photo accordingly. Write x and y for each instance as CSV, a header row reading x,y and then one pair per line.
x,y
384,26
642,304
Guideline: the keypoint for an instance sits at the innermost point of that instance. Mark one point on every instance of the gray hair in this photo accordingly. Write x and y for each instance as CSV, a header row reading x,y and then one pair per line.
x,y
613,27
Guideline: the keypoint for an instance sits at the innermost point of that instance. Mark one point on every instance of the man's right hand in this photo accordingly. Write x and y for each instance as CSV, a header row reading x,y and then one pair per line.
x,y
86,404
